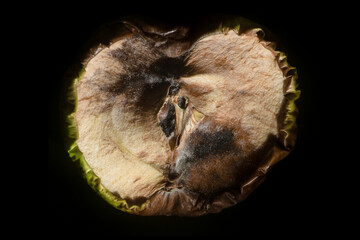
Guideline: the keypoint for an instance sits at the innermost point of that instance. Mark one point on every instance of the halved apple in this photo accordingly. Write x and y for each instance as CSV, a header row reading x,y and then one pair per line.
x,y
170,124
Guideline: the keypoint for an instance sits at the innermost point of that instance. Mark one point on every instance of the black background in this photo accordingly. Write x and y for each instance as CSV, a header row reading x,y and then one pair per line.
x,y
293,201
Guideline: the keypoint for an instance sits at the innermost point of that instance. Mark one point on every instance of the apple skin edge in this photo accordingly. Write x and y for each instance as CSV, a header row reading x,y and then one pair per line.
x,y
186,201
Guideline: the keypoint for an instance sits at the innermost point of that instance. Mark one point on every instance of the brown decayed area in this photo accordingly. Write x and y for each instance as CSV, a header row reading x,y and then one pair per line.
x,y
192,129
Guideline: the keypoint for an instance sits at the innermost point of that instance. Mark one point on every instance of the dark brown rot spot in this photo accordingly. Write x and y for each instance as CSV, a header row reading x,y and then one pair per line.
x,y
167,124
203,143
182,102
168,67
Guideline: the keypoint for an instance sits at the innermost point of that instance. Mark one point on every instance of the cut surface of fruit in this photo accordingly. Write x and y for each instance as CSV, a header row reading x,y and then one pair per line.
x,y
169,124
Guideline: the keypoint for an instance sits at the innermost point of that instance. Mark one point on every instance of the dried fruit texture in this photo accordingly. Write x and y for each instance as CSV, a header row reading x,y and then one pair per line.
x,y
171,125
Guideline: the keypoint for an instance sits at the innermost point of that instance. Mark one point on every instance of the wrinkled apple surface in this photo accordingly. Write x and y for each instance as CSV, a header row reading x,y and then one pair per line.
x,y
171,125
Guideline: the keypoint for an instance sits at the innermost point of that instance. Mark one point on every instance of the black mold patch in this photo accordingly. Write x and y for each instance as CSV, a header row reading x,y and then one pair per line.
x,y
210,161
168,67
146,76
205,143
224,172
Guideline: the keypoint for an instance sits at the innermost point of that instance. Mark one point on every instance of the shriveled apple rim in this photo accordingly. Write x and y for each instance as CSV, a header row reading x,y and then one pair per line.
x,y
172,128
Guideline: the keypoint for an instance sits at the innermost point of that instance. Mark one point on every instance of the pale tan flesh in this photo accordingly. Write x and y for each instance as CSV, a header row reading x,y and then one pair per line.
x,y
114,144
240,84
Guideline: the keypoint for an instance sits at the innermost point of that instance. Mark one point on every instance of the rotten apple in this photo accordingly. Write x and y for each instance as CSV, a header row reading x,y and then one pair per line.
x,y
170,121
